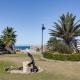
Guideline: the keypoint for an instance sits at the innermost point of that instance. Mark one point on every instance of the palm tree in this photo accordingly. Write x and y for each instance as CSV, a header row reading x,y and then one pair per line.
x,y
66,28
9,38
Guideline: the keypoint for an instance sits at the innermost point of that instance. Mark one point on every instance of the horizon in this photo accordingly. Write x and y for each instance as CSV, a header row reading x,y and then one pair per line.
x,y
27,17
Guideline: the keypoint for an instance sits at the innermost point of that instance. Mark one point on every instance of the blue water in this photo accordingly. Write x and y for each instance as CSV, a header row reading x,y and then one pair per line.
x,y
22,47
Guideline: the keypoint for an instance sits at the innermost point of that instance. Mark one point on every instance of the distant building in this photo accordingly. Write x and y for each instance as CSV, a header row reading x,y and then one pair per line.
x,y
38,47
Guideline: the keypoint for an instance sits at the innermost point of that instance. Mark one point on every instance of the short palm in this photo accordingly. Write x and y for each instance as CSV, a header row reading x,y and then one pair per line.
x,y
9,37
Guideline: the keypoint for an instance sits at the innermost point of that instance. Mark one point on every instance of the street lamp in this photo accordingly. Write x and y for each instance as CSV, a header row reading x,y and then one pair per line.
x,y
43,28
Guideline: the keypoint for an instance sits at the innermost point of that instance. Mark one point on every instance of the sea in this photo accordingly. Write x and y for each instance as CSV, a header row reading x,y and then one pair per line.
x,y
22,47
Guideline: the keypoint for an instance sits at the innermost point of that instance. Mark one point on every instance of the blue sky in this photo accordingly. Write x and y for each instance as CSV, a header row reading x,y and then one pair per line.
x,y
27,17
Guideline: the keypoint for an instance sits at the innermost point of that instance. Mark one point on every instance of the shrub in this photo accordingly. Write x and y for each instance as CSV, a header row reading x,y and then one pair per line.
x,y
62,57
55,45
63,48
48,55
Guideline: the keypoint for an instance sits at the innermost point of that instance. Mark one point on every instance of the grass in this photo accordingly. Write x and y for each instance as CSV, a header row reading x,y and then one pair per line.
x,y
53,70
15,55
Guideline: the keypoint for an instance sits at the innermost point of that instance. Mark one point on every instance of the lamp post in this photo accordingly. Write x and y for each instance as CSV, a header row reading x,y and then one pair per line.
x,y
43,28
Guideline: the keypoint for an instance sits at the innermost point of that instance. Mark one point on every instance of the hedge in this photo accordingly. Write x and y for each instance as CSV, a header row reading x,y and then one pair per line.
x,y
62,57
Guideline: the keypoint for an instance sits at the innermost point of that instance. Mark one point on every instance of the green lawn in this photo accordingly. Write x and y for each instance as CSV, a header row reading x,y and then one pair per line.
x,y
53,70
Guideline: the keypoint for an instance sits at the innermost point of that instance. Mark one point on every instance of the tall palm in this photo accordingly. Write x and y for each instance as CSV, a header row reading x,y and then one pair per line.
x,y
66,28
9,37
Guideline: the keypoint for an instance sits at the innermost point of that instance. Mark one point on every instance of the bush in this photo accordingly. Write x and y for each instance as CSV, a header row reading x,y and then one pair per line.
x,y
63,48
48,55
55,45
62,57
